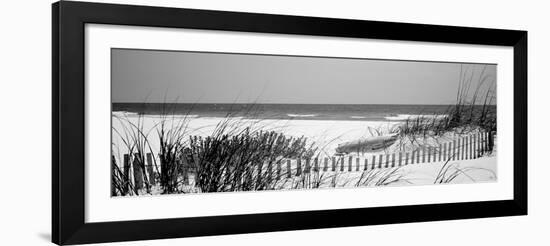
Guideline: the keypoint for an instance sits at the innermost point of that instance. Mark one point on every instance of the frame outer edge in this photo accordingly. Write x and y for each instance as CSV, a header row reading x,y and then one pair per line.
x,y
520,124
68,224
55,124
70,125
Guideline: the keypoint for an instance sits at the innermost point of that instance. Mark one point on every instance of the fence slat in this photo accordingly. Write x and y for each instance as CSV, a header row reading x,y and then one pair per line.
x,y
269,170
400,158
149,168
185,169
113,177
298,167
316,164
464,148
491,141
439,152
288,169
138,177
482,143
470,147
486,141
259,167
459,148
423,154
478,144
387,160
444,150
278,170
429,153
474,146
126,173
454,149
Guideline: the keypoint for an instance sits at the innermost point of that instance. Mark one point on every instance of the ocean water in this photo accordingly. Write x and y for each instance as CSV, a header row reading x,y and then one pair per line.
x,y
348,112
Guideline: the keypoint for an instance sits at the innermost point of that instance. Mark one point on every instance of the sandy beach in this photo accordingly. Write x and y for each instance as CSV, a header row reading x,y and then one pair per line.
x,y
327,135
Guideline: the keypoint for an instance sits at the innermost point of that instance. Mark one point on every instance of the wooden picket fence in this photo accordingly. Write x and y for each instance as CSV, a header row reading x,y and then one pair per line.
x,y
467,147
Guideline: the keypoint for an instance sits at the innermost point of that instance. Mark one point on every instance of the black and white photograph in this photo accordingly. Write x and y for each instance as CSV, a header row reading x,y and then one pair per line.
x,y
274,123
189,122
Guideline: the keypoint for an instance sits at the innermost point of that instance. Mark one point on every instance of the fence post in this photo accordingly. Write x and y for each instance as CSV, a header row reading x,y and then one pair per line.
x,y
478,144
269,170
387,160
429,153
418,155
487,135
138,178
150,170
357,164
126,177
464,148
288,169
491,140
373,162
393,160
325,165
278,169
342,164
400,158
333,163
470,146
423,154
458,148
444,152
469,139
482,143
316,164
307,169
185,169
406,158
454,149
366,164
412,156
450,151
113,177
474,146
298,167
350,164
380,161
439,152
259,174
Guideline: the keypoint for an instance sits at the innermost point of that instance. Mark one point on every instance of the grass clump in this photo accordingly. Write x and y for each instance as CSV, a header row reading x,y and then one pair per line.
x,y
232,157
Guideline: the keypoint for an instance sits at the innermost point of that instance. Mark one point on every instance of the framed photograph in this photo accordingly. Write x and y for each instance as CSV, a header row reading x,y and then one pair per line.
x,y
175,122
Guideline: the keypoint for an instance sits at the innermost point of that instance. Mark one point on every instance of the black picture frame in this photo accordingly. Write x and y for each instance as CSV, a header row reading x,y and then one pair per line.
x,y
68,110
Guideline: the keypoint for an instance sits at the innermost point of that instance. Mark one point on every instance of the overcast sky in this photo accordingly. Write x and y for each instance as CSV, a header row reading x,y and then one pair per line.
x,y
189,77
